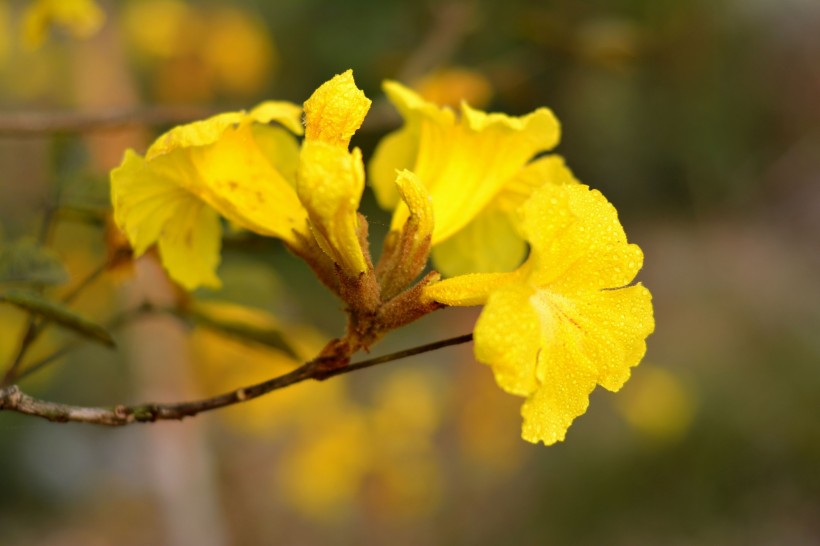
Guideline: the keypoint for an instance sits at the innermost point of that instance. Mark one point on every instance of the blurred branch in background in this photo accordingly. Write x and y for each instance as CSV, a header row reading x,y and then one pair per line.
x,y
24,124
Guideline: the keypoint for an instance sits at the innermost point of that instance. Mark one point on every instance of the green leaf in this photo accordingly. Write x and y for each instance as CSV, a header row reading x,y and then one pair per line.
x,y
27,261
249,330
59,314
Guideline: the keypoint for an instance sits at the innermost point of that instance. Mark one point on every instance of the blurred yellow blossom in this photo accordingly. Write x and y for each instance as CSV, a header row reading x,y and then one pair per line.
x,y
566,320
486,429
194,52
451,85
379,455
466,164
225,363
322,474
82,18
405,415
5,32
239,50
658,404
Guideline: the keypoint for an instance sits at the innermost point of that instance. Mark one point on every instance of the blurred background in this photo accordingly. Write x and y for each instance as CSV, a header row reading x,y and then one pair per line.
x,y
699,120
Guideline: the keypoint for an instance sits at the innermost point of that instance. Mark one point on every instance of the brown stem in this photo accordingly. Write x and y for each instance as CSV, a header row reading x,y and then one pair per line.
x,y
14,399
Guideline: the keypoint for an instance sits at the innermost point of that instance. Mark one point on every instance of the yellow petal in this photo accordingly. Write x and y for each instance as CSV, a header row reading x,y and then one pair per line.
x,y
395,151
335,111
189,246
150,207
234,177
398,150
508,338
198,133
330,184
468,290
143,202
465,164
208,131
283,112
583,342
577,240
551,169
488,244
615,325
468,170
280,149
549,412
531,341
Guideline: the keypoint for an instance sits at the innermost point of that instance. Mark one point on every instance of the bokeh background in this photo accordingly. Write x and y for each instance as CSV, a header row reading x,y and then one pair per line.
x,y
699,120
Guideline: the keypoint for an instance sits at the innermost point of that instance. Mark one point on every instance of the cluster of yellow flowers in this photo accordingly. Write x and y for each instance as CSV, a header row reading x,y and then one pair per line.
x,y
511,229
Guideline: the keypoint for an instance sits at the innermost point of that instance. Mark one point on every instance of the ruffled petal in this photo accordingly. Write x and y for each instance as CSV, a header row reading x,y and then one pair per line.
x,y
563,396
464,163
583,342
615,324
577,240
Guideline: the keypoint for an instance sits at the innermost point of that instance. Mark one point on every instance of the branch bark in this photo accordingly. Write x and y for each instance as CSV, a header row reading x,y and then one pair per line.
x,y
12,398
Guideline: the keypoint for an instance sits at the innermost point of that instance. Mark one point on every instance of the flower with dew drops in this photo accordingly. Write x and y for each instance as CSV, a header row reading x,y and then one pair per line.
x,y
568,318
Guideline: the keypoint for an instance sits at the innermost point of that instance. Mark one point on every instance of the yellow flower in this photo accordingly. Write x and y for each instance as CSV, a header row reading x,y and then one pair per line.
x,y
566,320
254,175
468,164
330,180
82,18
230,163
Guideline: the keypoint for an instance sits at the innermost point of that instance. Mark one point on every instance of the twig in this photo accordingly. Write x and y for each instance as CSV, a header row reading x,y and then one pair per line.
x,y
116,322
34,328
44,123
14,399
